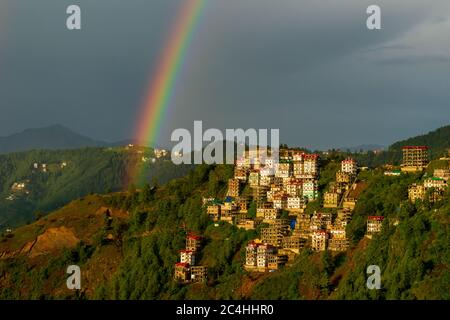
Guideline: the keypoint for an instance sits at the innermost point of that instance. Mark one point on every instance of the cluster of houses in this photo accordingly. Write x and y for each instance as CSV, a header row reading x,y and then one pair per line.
x,y
160,153
280,191
17,190
271,197
186,271
415,158
44,167
432,188
339,190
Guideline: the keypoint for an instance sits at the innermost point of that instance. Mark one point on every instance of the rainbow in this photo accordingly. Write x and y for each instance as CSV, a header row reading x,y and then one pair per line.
x,y
162,86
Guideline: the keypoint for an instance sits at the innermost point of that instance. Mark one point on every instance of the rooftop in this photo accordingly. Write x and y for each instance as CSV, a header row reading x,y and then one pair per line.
x,y
416,147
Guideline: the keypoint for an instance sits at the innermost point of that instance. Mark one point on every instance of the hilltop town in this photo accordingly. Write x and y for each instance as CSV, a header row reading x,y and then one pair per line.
x,y
272,198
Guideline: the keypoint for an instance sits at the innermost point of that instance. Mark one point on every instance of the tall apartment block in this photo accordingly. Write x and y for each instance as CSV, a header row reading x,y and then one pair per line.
x,y
415,158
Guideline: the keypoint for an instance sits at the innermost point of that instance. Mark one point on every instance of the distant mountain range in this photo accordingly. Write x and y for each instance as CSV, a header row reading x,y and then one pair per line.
x,y
55,137
58,137
52,137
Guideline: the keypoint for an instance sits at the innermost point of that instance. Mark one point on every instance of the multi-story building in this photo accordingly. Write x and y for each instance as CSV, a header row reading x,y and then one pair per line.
x,y
246,224
319,240
193,242
337,244
330,199
253,178
198,273
283,169
264,254
274,233
270,214
266,180
213,210
349,166
435,182
293,187
240,174
415,158
302,227
321,220
242,163
374,224
310,189
273,192
267,172
242,204
416,192
187,256
442,173
295,203
297,167
182,272
338,239
228,206
260,194
280,202
293,243
305,165
343,177
311,165
233,188
251,254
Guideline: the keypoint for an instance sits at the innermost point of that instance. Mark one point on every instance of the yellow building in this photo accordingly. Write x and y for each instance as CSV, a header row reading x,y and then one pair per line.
x,y
343,177
319,240
416,192
182,272
213,212
233,188
330,200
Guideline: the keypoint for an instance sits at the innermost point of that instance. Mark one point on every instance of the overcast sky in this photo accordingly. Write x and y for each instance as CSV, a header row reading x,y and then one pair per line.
x,y
310,68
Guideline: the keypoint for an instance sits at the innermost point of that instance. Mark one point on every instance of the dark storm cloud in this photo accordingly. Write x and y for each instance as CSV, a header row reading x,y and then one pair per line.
x,y
310,68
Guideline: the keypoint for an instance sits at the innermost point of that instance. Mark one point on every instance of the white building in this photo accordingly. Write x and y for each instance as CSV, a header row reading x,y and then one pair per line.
x,y
187,256
434,182
311,165
280,202
349,166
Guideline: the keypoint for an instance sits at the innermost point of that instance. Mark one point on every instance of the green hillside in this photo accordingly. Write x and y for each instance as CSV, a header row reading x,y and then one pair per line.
x,y
132,255
438,141
52,178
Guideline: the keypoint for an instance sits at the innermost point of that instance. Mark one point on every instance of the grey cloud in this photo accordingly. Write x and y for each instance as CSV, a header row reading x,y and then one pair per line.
x,y
308,67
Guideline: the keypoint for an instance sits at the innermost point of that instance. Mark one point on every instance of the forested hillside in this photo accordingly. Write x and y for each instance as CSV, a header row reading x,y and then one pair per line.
x,y
438,142
133,241
35,182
